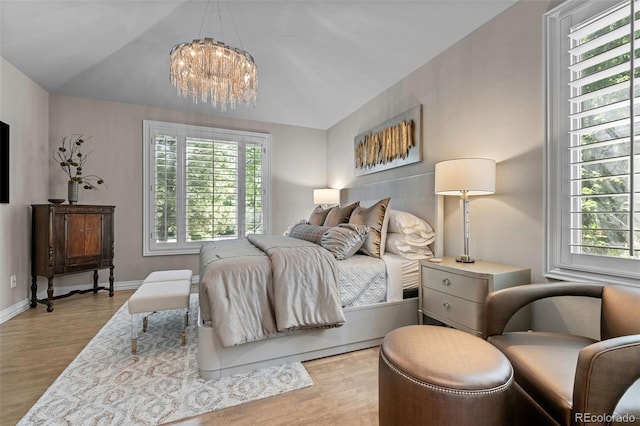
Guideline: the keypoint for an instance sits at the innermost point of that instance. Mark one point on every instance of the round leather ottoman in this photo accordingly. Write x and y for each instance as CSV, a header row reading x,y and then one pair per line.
x,y
442,376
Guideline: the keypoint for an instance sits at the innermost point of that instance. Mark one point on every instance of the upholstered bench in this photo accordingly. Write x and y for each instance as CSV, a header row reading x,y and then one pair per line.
x,y
160,291
438,375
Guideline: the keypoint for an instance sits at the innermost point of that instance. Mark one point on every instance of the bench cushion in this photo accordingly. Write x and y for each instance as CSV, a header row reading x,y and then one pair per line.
x,y
160,296
172,275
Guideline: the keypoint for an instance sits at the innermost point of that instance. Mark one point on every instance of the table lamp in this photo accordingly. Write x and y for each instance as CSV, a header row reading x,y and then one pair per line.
x,y
326,197
465,177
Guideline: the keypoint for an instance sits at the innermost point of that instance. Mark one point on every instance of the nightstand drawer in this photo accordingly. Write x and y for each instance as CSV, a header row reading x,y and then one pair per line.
x,y
452,310
473,289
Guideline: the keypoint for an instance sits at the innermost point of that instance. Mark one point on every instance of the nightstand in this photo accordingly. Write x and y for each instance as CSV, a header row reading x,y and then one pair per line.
x,y
454,293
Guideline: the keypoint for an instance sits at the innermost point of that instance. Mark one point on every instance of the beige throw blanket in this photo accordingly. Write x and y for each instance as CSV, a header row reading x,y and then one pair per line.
x,y
257,287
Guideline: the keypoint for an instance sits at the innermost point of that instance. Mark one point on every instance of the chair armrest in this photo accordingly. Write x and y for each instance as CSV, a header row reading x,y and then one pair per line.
x,y
502,304
605,371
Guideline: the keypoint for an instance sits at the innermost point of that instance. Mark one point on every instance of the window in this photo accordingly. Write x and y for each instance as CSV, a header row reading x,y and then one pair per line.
x,y
202,184
592,156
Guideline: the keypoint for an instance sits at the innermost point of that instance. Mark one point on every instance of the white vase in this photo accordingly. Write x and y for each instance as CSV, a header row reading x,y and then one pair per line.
x,y
72,191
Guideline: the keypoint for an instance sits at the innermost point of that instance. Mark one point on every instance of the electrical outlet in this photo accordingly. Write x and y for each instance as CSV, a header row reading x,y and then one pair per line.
x,y
13,281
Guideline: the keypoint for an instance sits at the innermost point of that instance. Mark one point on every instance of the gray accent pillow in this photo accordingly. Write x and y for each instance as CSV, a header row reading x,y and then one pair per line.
x,y
344,240
374,217
304,231
339,215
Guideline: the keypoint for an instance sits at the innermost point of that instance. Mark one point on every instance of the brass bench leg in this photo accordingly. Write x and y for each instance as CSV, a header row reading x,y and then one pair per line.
x,y
184,337
134,346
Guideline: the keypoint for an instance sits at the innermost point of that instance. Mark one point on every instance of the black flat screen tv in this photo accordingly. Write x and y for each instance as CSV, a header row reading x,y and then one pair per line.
x,y
4,162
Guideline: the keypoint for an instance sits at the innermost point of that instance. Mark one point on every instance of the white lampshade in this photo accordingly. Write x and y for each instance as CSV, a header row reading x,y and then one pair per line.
x,y
473,176
326,196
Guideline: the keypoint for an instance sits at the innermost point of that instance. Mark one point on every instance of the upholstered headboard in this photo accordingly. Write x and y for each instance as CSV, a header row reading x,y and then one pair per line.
x,y
413,194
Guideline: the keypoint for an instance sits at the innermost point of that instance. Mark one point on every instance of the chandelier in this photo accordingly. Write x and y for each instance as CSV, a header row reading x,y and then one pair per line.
x,y
210,71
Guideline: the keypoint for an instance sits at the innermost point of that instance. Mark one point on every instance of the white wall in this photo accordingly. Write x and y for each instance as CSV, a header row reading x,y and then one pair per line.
x,y
298,165
25,107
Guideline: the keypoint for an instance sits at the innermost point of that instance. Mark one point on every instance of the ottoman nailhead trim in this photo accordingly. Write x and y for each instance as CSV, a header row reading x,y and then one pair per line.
x,y
497,389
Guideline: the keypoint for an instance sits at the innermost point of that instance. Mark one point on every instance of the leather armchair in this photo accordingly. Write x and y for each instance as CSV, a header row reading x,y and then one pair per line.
x,y
565,379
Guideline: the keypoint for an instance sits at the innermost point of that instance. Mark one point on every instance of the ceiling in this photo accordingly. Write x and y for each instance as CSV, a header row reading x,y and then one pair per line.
x,y
318,61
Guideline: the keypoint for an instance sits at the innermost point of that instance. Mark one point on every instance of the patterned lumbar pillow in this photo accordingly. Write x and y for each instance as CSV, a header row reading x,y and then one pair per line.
x,y
304,231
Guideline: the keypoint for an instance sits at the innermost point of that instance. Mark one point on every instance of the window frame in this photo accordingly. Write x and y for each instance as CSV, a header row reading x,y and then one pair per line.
x,y
181,132
559,262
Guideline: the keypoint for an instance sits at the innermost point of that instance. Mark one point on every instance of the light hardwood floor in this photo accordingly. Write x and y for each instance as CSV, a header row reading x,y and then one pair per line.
x,y
36,346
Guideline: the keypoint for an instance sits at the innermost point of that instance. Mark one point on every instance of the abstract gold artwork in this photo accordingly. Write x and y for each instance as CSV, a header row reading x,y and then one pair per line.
x,y
392,144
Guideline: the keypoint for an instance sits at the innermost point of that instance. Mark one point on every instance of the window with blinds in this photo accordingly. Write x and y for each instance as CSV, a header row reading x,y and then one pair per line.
x,y
592,215
603,159
202,184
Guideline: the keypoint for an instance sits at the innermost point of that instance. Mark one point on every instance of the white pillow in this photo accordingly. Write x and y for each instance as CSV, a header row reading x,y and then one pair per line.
x,y
397,244
417,230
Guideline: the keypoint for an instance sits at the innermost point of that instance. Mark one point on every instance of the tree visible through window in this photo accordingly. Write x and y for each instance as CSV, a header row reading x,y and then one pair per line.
x,y
203,185
593,149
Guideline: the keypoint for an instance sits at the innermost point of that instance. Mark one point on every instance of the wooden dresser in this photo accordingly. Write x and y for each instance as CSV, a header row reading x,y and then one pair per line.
x,y
67,239
454,293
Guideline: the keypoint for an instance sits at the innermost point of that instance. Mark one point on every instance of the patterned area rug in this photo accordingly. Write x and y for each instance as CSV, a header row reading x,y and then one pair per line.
x,y
106,385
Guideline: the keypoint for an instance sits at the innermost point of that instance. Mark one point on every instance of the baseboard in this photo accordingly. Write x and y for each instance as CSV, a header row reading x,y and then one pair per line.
x,y
14,310
23,305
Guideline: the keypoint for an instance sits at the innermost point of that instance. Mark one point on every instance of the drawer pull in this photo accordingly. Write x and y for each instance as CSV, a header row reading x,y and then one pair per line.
x,y
446,282
446,306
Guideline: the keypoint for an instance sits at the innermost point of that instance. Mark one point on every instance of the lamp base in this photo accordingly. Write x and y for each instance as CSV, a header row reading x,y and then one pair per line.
x,y
465,259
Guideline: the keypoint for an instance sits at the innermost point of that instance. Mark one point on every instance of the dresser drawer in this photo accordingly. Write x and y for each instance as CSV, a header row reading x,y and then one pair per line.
x,y
452,310
473,289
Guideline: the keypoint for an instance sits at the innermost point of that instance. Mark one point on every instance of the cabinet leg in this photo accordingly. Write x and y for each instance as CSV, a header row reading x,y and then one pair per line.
x,y
34,291
95,281
110,281
49,294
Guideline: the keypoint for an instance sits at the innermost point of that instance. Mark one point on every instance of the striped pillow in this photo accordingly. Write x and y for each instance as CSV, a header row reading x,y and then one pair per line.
x,y
344,240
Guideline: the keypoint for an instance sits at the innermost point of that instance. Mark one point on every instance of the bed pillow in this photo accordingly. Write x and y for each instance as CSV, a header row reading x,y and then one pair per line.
x,y
339,215
376,218
397,244
344,240
304,231
290,227
318,215
416,230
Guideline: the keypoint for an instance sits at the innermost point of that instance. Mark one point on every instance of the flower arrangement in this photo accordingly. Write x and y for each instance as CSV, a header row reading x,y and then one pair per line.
x,y
70,157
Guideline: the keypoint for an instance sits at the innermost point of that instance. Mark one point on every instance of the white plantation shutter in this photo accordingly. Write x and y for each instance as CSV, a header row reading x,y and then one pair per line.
x,y
212,175
604,213
164,189
254,162
592,214
202,184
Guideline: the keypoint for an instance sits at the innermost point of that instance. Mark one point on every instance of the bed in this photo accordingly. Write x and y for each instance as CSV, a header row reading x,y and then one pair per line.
x,y
369,312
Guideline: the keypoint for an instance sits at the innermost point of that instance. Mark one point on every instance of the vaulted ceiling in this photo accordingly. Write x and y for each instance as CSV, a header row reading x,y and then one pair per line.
x,y
318,61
